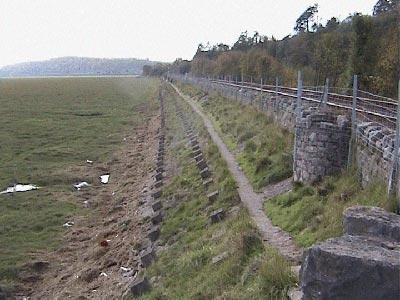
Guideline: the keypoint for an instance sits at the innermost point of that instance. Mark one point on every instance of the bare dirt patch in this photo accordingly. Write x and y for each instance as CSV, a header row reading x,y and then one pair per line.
x,y
98,258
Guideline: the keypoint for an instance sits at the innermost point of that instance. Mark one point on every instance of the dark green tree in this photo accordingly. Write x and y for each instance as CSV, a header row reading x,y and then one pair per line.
x,y
306,18
385,6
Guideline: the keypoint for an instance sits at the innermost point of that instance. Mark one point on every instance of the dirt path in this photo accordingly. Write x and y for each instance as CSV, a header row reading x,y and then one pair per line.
x,y
253,201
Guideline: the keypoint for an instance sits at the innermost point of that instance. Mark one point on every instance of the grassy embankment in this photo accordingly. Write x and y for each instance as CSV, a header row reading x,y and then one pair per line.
x,y
48,128
310,213
184,268
263,148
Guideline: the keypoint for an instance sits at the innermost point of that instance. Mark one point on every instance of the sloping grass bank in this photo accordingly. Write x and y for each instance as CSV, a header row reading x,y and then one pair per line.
x,y
263,148
187,266
313,213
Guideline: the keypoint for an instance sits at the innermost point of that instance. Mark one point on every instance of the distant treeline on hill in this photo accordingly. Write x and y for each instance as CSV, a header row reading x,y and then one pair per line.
x,y
360,44
77,66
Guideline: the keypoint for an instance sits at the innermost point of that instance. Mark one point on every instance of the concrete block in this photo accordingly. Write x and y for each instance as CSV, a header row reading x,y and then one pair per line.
x,y
158,184
147,257
201,164
207,182
157,205
140,286
205,173
154,234
158,176
198,157
217,215
156,218
212,196
196,153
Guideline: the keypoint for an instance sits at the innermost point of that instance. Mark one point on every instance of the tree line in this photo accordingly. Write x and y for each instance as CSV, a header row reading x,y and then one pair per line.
x,y
360,44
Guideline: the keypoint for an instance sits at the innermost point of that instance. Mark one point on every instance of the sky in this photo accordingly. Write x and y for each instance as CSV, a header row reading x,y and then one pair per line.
x,y
160,30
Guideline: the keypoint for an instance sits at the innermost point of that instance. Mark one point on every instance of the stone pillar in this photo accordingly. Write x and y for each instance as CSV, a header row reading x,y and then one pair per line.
x,y
322,145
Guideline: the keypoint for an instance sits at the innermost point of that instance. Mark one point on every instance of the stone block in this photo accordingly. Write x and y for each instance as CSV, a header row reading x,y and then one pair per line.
x,y
205,173
217,215
154,234
158,184
212,196
158,176
147,257
159,164
140,286
372,221
156,206
156,194
156,218
198,157
160,170
351,267
201,164
195,148
196,153
207,182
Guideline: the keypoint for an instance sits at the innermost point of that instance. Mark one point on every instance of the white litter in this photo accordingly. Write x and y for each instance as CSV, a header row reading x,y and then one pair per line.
x,y
126,269
68,224
80,185
19,188
89,161
103,274
104,178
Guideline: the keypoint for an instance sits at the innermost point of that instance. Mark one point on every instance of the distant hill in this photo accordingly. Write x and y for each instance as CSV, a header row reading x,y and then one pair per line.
x,y
77,66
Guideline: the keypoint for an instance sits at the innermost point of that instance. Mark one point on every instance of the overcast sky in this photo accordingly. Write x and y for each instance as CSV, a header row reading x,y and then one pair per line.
x,y
156,29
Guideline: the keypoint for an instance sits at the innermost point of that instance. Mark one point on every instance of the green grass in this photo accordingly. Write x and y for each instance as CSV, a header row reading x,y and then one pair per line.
x,y
314,213
48,128
185,269
263,148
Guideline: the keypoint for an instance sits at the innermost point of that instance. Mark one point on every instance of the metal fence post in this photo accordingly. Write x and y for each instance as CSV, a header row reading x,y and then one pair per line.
x,y
395,166
261,96
276,92
353,122
325,97
298,116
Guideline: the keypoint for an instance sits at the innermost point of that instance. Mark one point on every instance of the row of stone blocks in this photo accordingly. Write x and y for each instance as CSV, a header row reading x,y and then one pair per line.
x,y
202,166
363,264
147,253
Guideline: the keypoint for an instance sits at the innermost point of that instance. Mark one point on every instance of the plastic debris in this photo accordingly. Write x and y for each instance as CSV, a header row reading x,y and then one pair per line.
x,y
20,188
89,161
68,224
80,185
103,274
104,178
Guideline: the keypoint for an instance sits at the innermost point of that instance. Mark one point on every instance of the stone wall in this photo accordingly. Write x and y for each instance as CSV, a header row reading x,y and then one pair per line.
x,y
321,145
374,152
374,144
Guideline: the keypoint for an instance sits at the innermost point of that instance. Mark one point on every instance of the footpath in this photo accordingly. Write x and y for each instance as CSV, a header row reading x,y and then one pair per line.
x,y
253,201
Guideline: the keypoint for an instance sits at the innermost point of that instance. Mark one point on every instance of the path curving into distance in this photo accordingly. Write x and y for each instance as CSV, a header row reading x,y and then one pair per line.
x,y
253,201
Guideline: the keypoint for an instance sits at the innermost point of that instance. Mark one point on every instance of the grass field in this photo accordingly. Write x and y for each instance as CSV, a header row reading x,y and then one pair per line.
x,y
48,128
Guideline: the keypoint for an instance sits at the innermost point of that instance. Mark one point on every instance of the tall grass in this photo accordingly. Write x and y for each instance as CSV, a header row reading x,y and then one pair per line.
x,y
313,213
